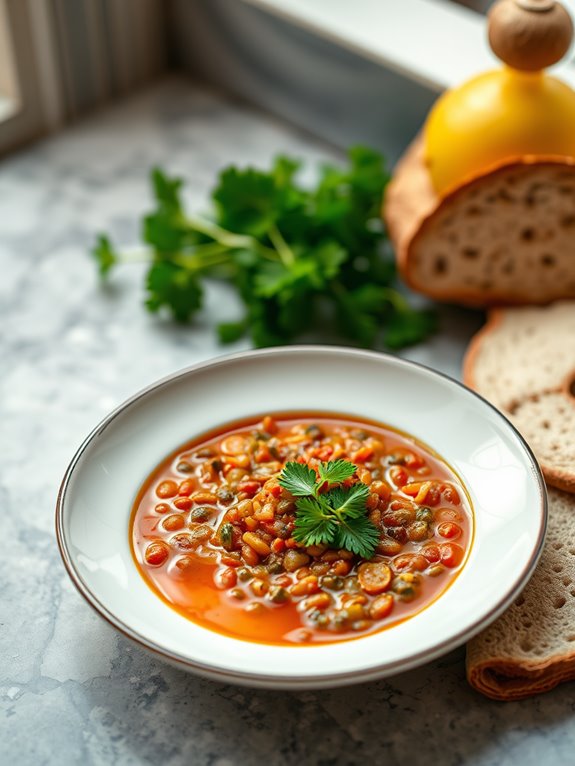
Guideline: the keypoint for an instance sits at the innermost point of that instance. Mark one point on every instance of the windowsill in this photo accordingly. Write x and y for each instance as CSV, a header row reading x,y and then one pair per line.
x,y
435,42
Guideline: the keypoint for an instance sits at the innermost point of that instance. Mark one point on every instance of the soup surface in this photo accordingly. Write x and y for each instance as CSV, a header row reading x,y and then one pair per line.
x,y
213,530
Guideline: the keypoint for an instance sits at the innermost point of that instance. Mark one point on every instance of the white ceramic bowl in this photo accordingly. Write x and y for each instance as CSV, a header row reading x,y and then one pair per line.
x,y
497,467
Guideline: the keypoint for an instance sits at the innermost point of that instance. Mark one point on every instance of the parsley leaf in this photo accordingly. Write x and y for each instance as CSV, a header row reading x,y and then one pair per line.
x,y
359,536
313,526
246,201
167,190
228,332
170,285
336,471
337,517
299,479
350,501
165,232
300,256
105,255
405,327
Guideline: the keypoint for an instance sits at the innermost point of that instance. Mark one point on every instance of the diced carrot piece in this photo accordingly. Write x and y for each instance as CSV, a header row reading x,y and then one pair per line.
x,y
228,578
413,460
374,577
399,476
249,486
431,553
410,562
381,606
269,425
230,561
449,530
186,487
418,490
232,515
450,494
325,453
451,554
362,455
263,455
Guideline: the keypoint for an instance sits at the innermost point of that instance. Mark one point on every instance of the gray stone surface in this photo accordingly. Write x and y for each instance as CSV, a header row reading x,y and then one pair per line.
x,y
71,689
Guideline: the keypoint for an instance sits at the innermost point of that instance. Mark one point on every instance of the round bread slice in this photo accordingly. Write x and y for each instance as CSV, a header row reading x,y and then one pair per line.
x,y
523,361
504,237
531,647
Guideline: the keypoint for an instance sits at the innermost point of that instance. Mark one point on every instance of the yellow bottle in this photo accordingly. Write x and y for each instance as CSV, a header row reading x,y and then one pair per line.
x,y
512,112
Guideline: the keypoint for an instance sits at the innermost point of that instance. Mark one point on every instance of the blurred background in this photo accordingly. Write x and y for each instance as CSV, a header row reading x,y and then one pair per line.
x,y
320,64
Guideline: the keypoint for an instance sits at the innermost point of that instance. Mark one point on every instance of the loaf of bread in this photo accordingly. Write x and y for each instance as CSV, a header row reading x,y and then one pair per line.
x,y
531,647
506,237
523,362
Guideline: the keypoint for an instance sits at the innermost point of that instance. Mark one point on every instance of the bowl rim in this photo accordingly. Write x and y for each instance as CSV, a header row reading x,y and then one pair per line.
x,y
305,681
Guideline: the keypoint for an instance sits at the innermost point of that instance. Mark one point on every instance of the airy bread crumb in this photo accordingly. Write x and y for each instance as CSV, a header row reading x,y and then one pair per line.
x,y
523,361
505,237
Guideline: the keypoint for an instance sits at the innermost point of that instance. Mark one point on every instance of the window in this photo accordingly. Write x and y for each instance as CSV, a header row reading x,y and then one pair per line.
x,y
18,106
59,58
437,42
9,98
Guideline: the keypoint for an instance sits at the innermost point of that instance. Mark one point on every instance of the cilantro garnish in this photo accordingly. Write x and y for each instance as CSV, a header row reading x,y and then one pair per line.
x,y
337,517
300,258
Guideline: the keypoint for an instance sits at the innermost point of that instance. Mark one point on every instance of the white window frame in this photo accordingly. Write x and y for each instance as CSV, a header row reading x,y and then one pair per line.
x,y
30,95
435,42
38,94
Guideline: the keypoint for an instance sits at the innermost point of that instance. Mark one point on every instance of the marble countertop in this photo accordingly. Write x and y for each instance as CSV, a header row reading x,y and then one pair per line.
x,y
71,689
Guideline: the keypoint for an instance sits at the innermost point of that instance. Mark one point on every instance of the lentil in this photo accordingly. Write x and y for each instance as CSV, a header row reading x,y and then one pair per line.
x,y
239,545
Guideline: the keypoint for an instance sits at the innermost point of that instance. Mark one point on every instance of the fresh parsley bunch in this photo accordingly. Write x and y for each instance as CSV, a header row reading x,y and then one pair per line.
x,y
337,517
293,253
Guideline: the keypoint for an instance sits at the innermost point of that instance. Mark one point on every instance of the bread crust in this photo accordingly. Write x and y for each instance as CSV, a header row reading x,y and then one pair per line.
x,y
520,680
411,204
529,649
554,476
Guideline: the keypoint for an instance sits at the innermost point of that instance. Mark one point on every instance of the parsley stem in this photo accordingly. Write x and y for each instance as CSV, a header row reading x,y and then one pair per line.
x,y
202,256
135,254
340,513
209,249
216,232
284,250
228,238
198,262
396,299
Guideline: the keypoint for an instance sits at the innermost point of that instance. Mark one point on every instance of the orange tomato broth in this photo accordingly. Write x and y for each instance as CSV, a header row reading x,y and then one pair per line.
x,y
199,591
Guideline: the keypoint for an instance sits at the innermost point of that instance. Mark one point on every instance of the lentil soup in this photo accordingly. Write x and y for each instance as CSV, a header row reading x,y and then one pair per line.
x,y
212,531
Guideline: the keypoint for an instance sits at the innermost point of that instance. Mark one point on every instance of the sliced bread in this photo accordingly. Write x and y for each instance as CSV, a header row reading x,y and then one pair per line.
x,y
523,361
505,237
531,647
